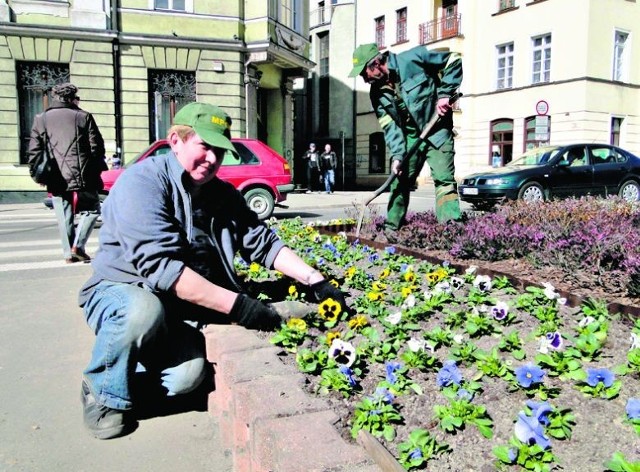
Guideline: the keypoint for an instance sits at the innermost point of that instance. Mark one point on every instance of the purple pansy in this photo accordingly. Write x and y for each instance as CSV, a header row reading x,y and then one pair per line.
x,y
596,376
529,374
555,340
391,368
530,431
500,311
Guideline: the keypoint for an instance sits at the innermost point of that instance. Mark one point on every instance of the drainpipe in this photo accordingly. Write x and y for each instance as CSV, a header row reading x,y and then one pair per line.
x,y
354,105
117,87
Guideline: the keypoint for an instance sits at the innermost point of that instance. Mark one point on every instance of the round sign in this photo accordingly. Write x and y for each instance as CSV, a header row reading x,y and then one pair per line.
x,y
542,107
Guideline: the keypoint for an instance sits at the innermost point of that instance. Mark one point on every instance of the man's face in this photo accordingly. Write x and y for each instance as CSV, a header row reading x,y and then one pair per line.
x,y
374,72
199,159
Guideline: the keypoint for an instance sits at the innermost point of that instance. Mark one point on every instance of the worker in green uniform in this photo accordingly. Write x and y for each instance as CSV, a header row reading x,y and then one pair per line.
x,y
406,90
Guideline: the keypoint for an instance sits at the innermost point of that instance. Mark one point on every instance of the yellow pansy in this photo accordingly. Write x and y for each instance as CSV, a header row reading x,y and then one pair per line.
x,y
329,309
359,321
333,335
297,324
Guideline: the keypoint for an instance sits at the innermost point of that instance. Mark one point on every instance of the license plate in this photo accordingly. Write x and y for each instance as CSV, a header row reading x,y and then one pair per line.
x,y
470,191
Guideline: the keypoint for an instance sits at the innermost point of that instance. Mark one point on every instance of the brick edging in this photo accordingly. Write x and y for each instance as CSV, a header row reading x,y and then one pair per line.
x,y
267,421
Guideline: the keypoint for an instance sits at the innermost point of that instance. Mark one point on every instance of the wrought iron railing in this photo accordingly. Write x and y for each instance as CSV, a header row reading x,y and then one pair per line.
x,y
442,28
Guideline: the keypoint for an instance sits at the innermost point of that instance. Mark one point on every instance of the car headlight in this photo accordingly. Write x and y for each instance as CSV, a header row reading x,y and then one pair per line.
x,y
496,181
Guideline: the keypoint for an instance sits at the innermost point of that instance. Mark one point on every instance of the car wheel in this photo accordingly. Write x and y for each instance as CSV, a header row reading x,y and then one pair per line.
x,y
531,192
260,201
630,191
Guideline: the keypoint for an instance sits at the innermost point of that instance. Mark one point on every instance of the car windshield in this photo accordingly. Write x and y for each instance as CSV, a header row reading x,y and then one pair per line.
x,y
535,157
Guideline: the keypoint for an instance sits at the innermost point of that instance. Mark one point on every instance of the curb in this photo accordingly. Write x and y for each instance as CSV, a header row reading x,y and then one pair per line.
x,y
267,421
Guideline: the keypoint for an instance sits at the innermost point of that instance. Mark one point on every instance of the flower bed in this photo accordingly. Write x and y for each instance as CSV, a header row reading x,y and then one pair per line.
x,y
460,371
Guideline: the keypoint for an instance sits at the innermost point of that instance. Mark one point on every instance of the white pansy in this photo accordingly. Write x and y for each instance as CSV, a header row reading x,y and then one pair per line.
x,y
458,339
410,301
635,341
544,345
471,270
457,283
394,318
342,352
587,320
442,287
417,345
482,282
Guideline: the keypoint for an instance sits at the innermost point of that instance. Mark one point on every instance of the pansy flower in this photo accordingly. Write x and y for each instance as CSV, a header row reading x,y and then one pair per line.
x,y
394,318
456,283
482,283
540,411
587,320
331,335
600,375
529,431
550,341
391,367
329,309
529,374
409,302
297,324
349,374
500,311
342,352
471,270
448,375
442,287
358,321
635,341
384,273
633,408
383,395
417,345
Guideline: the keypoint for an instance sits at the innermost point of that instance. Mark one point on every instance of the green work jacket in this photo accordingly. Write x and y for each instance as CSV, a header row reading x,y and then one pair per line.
x,y
421,77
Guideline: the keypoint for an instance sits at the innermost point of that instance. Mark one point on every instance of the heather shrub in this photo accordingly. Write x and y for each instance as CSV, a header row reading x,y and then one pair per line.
x,y
594,236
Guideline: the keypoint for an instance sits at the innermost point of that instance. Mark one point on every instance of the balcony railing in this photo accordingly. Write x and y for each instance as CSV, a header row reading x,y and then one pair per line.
x,y
320,16
442,28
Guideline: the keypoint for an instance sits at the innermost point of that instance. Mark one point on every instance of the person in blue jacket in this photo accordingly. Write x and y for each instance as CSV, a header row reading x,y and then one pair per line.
x,y
165,266
406,90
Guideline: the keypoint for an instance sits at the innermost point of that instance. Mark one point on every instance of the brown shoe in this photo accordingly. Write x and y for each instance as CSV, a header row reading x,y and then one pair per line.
x,y
79,254
72,259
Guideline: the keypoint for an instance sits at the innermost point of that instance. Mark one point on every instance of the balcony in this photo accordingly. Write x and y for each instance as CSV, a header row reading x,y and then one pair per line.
x,y
506,4
442,28
320,17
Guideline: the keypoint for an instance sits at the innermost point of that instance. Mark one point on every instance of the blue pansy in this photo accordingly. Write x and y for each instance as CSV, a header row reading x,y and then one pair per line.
x,y
348,373
633,408
464,394
596,376
448,375
415,454
374,257
529,374
540,411
530,431
391,368
390,250
382,395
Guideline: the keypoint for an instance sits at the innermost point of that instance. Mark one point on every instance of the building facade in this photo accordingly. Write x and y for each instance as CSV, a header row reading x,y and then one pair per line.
x,y
529,78
136,62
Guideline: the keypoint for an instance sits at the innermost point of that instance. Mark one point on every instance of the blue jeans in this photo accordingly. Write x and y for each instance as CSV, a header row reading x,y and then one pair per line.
x,y
329,177
88,207
138,330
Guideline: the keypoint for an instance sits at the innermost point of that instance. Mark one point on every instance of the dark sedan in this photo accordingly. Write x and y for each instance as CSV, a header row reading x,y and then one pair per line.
x,y
554,172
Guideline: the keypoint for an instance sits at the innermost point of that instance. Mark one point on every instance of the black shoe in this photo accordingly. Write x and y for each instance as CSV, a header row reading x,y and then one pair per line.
x,y
102,421
391,235
80,255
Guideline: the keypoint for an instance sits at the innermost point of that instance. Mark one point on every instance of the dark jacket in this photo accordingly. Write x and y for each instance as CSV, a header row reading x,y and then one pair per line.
x,y
328,161
311,161
422,77
76,143
148,228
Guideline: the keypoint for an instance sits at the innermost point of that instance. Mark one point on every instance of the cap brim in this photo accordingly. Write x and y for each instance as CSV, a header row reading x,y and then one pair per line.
x,y
215,139
357,70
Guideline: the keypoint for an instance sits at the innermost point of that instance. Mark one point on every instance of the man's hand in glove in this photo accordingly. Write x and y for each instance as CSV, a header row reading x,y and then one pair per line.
x,y
253,314
325,289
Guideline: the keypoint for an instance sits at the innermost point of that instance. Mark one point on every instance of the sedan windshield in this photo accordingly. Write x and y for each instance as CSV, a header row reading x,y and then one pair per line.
x,y
535,157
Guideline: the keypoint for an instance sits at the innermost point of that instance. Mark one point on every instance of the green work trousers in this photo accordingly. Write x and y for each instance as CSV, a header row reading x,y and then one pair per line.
x,y
440,161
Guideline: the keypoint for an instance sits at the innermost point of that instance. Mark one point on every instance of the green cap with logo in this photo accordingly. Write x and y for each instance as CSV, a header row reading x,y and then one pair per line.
x,y
363,54
209,121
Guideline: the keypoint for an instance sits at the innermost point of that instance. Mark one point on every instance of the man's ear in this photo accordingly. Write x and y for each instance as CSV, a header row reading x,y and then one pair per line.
x,y
174,140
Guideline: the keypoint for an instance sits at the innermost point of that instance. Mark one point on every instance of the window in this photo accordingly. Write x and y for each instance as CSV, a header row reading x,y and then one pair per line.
x,y
290,14
380,32
170,5
541,59
168,92
505,4
537,130
505,66
323,59
35,79
605,155
501,140
620,59
616,126
377,153
401,25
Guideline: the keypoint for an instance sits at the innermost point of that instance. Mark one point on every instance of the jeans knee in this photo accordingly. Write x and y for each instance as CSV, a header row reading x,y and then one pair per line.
x,y
146,314
185,377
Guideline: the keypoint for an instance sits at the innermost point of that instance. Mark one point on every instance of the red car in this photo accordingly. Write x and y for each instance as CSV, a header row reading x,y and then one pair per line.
x,y
263,176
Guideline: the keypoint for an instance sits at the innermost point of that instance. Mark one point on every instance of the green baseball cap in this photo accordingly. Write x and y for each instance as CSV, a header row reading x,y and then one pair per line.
x,y
210,122
363,54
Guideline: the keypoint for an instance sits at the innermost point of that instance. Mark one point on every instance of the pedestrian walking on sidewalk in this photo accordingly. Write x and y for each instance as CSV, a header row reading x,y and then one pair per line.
x,y
406,90
312,157
328,165
171,231
72,137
